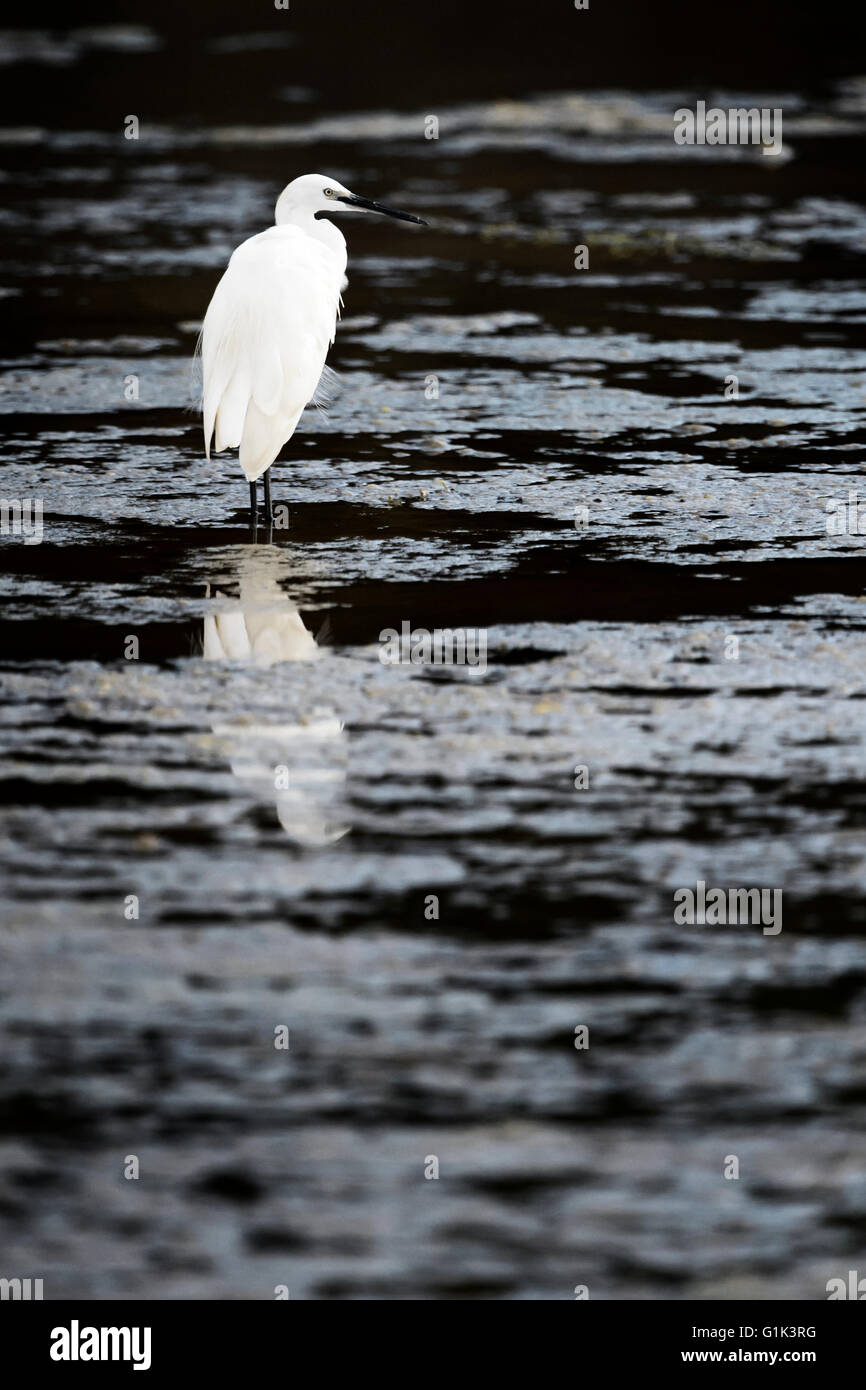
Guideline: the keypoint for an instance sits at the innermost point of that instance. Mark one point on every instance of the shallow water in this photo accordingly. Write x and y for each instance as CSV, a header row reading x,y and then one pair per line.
x,y
579,486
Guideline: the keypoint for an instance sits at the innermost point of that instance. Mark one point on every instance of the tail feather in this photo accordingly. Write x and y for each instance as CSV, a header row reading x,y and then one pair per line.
x,y
231,412
263,438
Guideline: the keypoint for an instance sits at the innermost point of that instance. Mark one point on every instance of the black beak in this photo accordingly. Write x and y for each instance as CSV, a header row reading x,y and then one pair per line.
x,y
353,201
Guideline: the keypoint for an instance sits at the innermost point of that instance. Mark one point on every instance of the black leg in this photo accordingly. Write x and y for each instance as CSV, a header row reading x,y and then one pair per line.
x,y
254,513
269,511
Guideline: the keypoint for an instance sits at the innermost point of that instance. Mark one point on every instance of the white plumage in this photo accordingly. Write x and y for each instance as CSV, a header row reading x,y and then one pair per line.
x,y
271,320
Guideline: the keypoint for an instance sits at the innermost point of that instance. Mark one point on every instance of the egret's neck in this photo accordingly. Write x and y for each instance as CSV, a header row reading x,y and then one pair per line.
x,y
320,228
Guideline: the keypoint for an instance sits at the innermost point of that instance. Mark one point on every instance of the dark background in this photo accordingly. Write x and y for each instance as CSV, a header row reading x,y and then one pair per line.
x,y
400,55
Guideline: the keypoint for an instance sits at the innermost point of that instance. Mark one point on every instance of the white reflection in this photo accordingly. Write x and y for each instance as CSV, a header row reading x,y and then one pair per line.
x,y
301,766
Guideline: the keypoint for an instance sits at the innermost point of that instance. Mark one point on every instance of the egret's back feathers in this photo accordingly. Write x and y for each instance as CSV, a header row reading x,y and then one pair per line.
x,y
326,391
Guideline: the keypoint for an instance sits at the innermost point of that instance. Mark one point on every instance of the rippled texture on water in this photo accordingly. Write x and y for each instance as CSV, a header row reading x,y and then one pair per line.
x,y
515,445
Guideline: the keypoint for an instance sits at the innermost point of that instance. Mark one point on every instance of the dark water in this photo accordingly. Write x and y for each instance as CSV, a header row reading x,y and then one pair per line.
x,y
582,489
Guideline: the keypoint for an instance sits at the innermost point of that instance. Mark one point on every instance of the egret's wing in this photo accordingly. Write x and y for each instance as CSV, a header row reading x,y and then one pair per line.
x,y
265,338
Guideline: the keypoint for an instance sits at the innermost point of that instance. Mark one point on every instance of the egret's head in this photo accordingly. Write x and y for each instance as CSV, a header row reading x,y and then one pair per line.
x,y
315,195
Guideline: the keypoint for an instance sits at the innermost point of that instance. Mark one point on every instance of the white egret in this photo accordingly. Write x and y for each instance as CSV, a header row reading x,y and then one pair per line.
x,y
270,323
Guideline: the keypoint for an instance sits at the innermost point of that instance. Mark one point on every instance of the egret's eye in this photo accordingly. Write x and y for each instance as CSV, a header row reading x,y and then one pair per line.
x,y
329,192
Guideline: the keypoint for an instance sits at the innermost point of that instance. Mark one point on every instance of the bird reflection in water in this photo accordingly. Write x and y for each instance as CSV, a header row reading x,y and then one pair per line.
x,y
300,765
